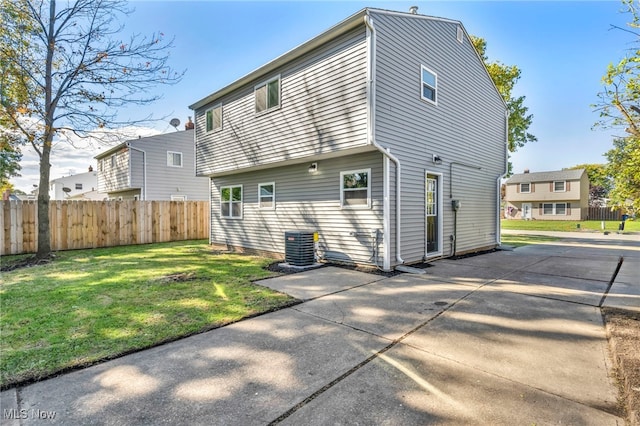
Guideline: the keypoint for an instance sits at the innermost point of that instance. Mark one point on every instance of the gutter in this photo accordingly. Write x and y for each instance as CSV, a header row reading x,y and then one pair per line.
x,y
144,168
386,152
502,176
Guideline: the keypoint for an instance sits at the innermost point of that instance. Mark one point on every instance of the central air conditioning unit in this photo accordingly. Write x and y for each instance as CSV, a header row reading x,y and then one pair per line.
x,y
299,248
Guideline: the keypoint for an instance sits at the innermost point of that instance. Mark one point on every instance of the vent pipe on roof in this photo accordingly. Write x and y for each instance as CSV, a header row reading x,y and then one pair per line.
x,y
413,10
526,170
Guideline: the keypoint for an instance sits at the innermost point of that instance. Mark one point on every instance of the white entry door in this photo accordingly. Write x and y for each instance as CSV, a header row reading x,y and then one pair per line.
x,y
526,211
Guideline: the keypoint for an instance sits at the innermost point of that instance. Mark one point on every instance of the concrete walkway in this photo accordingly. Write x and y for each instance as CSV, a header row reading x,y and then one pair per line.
x,y
511,337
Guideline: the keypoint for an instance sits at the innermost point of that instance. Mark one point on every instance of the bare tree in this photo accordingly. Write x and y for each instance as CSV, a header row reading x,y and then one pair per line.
x,y
79,73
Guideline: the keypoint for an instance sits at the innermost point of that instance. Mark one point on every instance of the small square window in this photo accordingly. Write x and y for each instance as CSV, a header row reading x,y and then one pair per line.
x,y
559,186
174,159
429,85
214,118
267,95
78,186
231,202
525,188
355,189
267,195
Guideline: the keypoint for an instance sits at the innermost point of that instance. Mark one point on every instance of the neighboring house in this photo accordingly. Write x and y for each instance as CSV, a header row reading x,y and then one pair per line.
x,y
557,195
366,133
74,187
157,167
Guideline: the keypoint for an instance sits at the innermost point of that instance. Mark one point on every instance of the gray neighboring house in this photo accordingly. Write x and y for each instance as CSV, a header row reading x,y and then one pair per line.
x,y
160,167
369,134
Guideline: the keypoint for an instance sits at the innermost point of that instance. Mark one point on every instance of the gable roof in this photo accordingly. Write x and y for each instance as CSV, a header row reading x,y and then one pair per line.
x,y
341,28
181,136
574,174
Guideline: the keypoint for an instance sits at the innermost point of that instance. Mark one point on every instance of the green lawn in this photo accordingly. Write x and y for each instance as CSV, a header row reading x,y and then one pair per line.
x,y
523,240
90,305
562,225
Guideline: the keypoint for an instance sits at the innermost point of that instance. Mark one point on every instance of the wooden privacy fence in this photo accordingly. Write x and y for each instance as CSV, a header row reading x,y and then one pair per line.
x,y
90,224
603,213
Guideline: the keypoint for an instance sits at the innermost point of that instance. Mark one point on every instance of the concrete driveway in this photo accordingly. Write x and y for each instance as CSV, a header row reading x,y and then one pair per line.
x,y
511,337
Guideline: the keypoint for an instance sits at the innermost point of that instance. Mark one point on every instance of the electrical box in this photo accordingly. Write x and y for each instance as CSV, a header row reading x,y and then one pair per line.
x,y
455,205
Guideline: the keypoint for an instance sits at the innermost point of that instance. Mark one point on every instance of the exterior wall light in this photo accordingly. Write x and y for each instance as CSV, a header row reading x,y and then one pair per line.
x,y
313,167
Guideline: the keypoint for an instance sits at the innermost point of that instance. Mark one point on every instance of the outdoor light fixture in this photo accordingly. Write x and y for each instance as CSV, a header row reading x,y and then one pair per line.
x,y
313,168
436,159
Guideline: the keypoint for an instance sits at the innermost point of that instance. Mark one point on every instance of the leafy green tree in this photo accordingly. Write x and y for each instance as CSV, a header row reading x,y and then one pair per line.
x,y
618,106
505,78
76,76
13,90
600,182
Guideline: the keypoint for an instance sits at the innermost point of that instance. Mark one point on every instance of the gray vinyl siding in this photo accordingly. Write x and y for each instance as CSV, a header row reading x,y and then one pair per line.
x,y
114,178
163,181
466,126
322,110
304,201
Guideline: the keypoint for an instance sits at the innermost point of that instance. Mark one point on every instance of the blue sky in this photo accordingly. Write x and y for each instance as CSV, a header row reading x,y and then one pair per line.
x,y
562,48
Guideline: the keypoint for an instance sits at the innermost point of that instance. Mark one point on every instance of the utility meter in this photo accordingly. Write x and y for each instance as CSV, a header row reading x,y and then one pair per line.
x,y
455,205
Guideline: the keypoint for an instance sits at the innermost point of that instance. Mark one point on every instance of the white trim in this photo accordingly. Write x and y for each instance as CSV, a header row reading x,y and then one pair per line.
x,y
273,205
422,84
230,216
266,83
342,189
439,214
172,153
564,186
213,128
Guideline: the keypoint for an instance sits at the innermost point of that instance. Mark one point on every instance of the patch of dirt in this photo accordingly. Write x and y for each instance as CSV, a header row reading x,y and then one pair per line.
x,y
623,333
27,263
176,278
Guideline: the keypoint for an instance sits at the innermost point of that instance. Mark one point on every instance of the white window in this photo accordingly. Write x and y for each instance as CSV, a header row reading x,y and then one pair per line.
x,y
231,202
559,186
214,118
555,209
174,159
460,34
268,95
178,198
429,85
267,195
113,160
355,189
525,188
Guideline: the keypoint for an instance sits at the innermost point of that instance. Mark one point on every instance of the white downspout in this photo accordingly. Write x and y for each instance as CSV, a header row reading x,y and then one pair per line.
x,y
144,168
385,151
499,178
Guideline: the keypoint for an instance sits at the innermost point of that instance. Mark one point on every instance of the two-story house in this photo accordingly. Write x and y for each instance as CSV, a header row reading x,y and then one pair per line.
x,y
160,167
555,195
385,134
80,186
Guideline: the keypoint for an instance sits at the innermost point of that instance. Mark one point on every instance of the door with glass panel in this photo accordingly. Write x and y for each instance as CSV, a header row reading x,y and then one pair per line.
x,y
431,215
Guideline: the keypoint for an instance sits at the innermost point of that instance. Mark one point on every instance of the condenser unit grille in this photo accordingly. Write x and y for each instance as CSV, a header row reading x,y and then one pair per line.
x,y
298,248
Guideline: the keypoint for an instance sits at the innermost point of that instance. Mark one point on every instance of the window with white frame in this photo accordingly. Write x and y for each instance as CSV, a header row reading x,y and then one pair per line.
x,y
460,34
268,95
429,85
178,198
231,202
559,186
555,209
525,188
355,188
267,195
214,118
78,186
174,159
